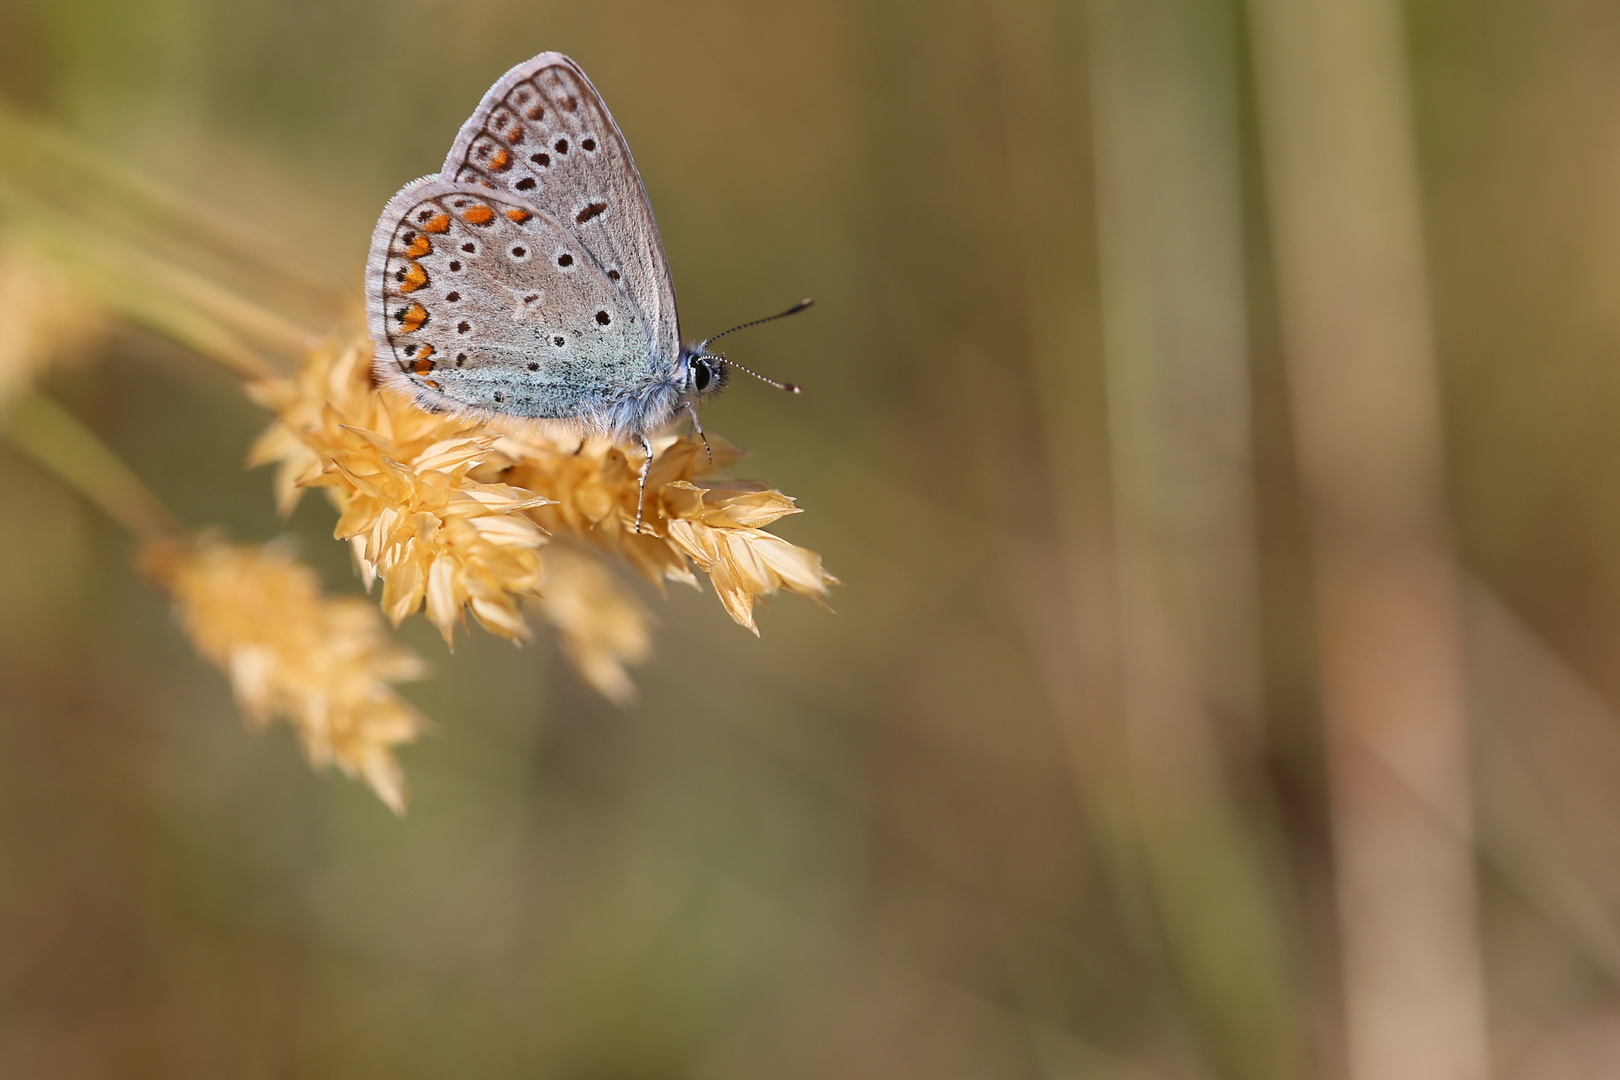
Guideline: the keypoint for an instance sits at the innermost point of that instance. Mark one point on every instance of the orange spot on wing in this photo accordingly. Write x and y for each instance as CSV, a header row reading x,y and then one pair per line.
x,y
415,317
439,224
430,383
500,160
514,134
415,277
518,216
479,215
418,247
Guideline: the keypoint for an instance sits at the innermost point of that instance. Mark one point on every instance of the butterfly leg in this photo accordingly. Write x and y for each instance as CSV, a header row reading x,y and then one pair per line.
x,y
646,467
697,426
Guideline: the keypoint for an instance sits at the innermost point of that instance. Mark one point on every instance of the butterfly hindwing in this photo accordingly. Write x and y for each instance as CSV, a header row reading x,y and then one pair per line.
x,y
543,135
480,300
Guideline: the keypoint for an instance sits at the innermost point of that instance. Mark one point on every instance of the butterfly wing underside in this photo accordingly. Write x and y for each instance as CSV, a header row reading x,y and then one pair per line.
x,y
481,301
543,135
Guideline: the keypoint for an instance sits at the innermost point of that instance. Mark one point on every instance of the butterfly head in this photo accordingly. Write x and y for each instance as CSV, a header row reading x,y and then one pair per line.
x,y
706,376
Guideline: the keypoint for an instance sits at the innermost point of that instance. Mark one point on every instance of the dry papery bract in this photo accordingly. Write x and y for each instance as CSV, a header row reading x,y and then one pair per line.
x,y
451,513
692,516
400,480
324,664
601,625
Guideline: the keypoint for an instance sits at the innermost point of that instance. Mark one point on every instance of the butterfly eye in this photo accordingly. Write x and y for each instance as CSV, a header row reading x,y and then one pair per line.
x,y
701,377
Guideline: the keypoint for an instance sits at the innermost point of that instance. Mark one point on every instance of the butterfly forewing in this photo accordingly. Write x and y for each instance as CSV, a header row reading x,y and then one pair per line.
x,y
477,299
542,135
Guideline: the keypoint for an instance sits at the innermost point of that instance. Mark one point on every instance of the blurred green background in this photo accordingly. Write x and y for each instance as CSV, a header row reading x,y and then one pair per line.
x,y
925,836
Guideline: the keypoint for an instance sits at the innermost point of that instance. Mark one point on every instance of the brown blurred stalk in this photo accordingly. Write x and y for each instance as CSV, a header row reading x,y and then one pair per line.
x,y
54,439
1175,345
1345,211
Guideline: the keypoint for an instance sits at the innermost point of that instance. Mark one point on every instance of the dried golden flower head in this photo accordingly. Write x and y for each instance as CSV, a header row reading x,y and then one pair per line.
x,y
692,516
323,664
399,477
451,512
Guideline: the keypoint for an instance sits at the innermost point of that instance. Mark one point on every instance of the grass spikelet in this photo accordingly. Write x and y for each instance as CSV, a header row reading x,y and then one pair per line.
x,y
399,477
600,624
451,513
323,664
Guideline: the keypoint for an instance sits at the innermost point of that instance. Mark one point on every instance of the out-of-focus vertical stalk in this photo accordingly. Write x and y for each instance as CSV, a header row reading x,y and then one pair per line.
x,y
1341,178
1175,343
50,435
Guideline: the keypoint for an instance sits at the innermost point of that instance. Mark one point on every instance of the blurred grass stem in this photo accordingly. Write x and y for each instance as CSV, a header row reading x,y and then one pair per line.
x,y
157,259
1341,178
159,295
1175,350
66,175
55,439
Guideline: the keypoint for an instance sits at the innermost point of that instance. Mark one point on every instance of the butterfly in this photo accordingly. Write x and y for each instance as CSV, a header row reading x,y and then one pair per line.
x,y
528,279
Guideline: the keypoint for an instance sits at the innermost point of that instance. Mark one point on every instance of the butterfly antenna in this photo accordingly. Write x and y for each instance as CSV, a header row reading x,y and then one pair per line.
x,y
792,388
794,310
